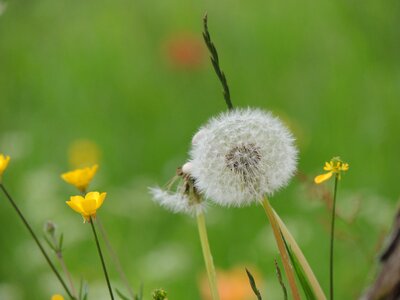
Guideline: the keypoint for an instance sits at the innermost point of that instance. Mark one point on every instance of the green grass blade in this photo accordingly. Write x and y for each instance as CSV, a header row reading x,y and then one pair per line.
x,y
253,285
305,284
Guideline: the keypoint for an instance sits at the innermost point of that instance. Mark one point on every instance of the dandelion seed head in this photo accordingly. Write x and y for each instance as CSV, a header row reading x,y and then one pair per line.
x,y
187,168
241,155
177,202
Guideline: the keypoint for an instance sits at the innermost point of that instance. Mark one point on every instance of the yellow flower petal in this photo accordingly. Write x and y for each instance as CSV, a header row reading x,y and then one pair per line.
x,y
101,200
75,203
323,177
92,195
4,160
57,297
328,166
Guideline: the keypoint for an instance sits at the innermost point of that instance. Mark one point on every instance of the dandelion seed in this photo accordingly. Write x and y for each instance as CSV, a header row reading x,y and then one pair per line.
x,y
4,160
80,178
242,155
87,206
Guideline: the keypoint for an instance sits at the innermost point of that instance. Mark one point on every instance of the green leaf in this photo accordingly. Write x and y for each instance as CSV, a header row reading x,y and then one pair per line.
x,y
83,290
60,244
122,296
139,296
305,284
253,285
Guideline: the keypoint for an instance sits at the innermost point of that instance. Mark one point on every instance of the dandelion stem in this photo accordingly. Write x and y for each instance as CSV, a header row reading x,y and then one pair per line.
x,y
332,238
10,199
212,277
101,258
282,250
114,257
215,62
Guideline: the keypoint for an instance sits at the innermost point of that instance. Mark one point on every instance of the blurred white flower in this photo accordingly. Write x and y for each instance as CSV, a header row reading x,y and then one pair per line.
x,y
241,155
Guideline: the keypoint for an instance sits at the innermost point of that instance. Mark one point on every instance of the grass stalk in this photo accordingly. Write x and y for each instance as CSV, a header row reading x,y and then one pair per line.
x,y
282,250
302,260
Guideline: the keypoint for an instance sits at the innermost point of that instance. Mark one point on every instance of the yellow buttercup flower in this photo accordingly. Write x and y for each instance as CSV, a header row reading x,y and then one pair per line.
x,y
80,178
87,206
4,159
57,297
335,166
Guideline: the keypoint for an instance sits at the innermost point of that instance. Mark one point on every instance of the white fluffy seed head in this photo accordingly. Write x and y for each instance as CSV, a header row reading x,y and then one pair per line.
x,y
187,168
177,202
241,155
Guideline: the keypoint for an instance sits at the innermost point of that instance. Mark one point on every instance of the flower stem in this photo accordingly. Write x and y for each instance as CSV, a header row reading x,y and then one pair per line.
x,y
114,257
212,277
10,199
101,258
282,250
66,272
332,238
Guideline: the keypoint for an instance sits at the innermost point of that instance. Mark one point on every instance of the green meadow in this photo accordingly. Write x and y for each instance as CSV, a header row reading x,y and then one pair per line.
x,y
134,79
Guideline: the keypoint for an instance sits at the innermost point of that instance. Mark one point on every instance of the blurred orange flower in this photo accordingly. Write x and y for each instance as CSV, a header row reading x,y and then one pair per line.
x,y
185,51
232,285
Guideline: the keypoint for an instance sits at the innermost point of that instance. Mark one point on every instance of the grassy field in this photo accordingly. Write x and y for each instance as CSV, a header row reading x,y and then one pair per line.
x,y
114,73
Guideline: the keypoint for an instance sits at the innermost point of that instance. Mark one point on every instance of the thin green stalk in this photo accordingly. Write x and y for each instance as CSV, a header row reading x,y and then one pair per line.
x,y
53,268
101,258
114,257
66,272
332,238
212,277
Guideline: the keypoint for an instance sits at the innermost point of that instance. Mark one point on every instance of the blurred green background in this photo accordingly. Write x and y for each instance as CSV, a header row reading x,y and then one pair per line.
x,y
133,78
